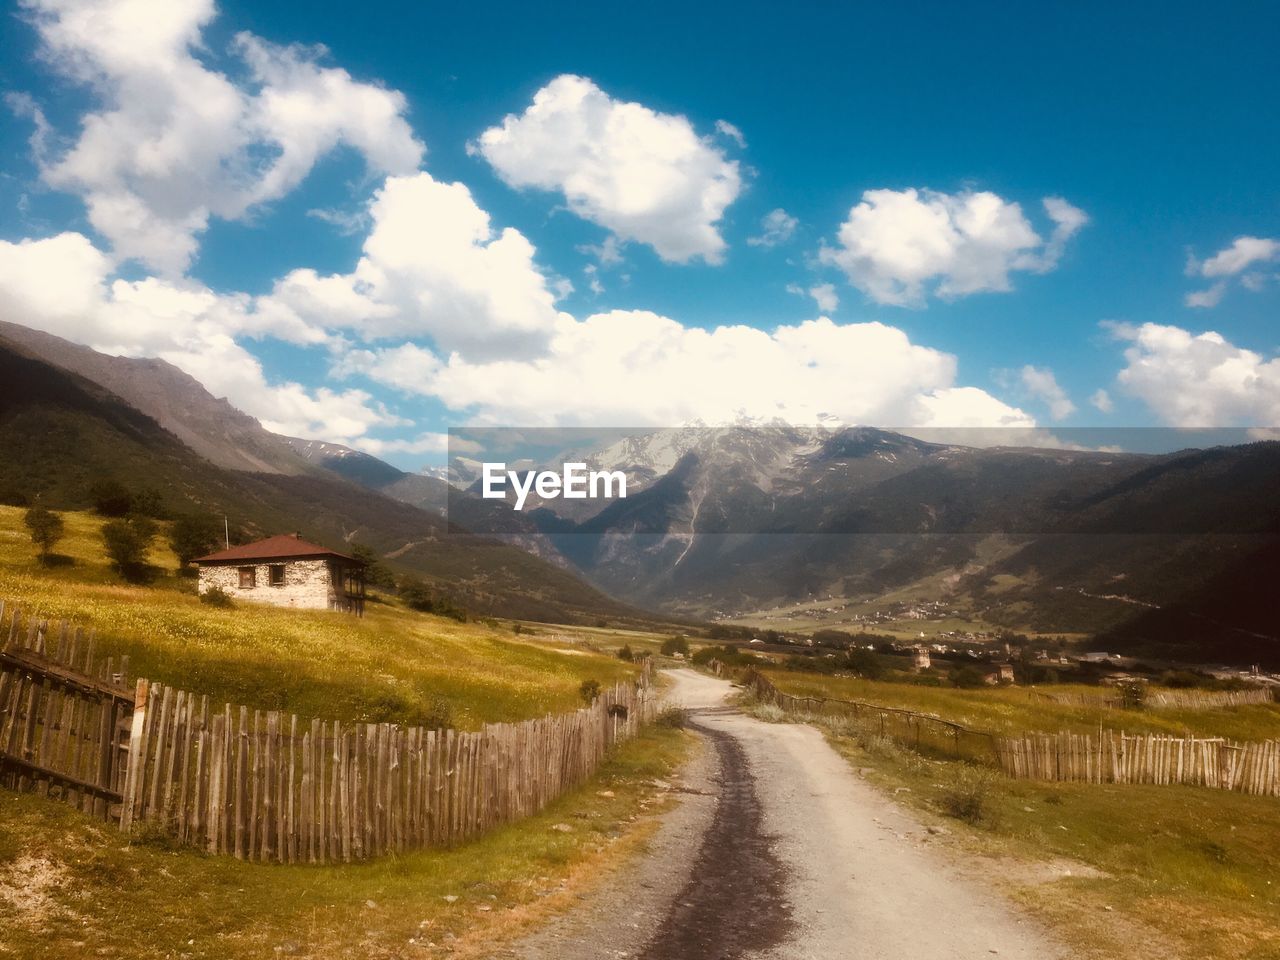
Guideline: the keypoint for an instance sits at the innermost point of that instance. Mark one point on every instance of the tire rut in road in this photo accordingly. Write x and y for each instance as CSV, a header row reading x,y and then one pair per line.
x,y
735,900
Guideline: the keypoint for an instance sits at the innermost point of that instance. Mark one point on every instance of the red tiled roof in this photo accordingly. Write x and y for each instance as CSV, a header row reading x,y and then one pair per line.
x,y
286,546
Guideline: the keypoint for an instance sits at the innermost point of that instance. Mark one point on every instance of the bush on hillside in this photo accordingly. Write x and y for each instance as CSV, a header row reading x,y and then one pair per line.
x,y
46,529
127,542
589,691
673,645
217,597
194,535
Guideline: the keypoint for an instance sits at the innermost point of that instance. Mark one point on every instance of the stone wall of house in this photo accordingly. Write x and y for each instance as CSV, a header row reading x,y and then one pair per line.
x,y
307,583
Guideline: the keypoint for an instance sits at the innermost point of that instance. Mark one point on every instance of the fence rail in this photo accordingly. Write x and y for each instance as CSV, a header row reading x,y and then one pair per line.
x,y
1110,756
62,714
1207,699
921,732
269,786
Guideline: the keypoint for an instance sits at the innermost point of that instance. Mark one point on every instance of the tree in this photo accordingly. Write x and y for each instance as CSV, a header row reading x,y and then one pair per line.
x,y
127,542
45,527
111,498
193,535
589,691
375,571
626,653
674,645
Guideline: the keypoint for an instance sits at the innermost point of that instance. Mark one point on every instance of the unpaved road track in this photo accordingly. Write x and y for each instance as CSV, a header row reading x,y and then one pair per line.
x,y
778,851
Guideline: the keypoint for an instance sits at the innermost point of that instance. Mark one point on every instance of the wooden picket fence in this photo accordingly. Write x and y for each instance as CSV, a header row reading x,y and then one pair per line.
x,y
1109,756
1207,699
63,714
269,786
1112,756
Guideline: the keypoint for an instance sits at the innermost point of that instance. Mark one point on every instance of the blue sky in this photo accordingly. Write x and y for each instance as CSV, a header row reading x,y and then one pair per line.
x,y
1154,127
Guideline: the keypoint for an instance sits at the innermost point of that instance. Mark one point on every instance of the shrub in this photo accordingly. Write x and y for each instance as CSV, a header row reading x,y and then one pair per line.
x,y
127,543
674,717
968,796
589,691
674,645
193,535
110,498
625,654
968,678
46,529
217,597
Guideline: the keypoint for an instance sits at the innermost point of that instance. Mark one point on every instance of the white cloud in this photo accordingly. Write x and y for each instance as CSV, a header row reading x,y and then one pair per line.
x,y
776,226
619,363
423,443
176,143
824,295
729,130
1198,380
62,285
432,266
1043,385
1101,400
646,176
899,247
1243,255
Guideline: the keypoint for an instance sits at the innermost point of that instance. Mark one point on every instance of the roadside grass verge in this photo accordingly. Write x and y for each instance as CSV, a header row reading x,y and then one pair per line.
x,y
392,665
71,887
1117,870
1014,711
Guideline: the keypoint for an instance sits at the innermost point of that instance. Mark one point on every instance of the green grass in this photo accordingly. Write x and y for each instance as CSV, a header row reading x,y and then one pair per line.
x,y
71,888
391,665
1199,867
1011,711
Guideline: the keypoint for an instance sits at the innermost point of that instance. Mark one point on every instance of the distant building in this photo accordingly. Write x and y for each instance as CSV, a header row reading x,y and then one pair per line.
x,y
286,571
1000,673
920,658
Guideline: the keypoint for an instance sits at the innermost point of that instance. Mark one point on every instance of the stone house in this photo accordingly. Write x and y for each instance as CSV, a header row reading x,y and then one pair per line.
x,y
286,571
920,659
999,673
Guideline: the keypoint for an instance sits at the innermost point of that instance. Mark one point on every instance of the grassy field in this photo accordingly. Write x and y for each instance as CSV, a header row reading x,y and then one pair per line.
x,y
70,887
1118,871
1016,710
391,665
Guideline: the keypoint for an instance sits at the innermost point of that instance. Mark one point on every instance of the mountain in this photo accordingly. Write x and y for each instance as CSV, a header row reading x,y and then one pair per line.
x,y
65,431
211,427
749,518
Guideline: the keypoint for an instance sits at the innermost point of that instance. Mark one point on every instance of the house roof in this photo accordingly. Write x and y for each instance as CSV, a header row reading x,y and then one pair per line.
x,y
285,546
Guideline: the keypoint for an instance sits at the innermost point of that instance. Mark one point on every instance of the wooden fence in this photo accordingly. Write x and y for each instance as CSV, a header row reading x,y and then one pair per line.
x,y
268,786
63,712
1115,757
1206,699
921,732
1110,756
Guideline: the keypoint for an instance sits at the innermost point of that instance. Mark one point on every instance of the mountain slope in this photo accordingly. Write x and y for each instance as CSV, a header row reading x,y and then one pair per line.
x,y
211,427
64,432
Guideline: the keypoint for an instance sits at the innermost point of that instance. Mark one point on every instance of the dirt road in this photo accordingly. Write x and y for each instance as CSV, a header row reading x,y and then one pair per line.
x,y
780,851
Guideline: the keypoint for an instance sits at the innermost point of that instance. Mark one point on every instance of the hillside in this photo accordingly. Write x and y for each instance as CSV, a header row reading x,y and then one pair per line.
x,y
71,432
393,664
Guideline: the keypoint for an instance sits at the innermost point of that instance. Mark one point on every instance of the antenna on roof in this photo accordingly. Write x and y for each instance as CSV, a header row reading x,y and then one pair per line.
x,y
226,530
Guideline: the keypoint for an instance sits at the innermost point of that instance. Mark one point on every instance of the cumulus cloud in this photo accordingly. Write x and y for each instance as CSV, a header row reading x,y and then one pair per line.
x,y
645,176
1040,383
776,226
432,266
616,361
1240,260
900,246
176,143
1198,380
63,285
824,295
1102,401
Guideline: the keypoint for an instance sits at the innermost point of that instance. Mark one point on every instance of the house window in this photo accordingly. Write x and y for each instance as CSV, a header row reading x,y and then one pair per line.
x,y
247,578
276,572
